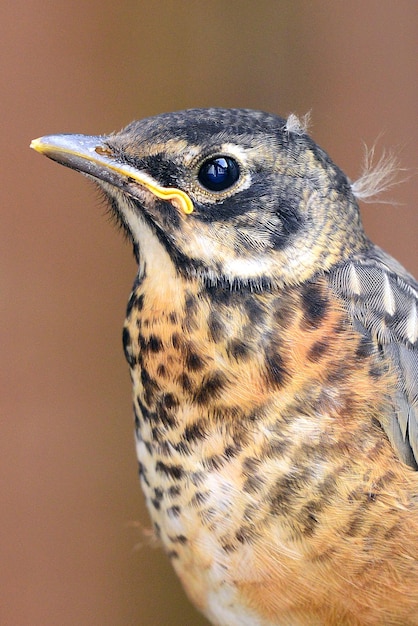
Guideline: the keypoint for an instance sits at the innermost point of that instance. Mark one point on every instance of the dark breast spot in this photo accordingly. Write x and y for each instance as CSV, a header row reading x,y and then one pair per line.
x,y
155,343
135,302
284,311
253,484
222,296
150,344
191,310
194,362
338,372
254,310
287,490
127,344
169,401
314,305
328,487
126,338
182,447
378,369
144,413
238,349
207,515
217,330
251,512
365,348
250,464
166,407
275,447
211,388
229,547
214,462
158,493
197,478
174,491
392,531
254,481
142,472
308,517
142,342
151,387
247,534
194,432
185,382
355,525
322,557
318,350
199,498
176,341
275,367
173,511
182,539
161,371
173,554
191,304
231,451
172,471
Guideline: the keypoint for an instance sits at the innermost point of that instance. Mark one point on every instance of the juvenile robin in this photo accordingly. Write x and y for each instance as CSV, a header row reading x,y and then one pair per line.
x,y
274,357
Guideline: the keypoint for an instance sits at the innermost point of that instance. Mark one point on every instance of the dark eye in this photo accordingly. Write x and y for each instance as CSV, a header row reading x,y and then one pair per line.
x,y
218,173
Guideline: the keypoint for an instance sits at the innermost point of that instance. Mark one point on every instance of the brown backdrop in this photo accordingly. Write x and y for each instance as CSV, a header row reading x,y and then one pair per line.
x,y
71,508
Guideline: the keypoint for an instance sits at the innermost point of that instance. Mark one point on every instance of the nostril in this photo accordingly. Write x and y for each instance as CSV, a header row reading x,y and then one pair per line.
x,y
103,151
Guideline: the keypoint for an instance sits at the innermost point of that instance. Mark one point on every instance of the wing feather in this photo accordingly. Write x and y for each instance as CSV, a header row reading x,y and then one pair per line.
x,y
381,299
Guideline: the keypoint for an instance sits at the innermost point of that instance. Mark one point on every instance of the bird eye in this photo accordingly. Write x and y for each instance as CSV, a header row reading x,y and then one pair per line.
x,y
219,173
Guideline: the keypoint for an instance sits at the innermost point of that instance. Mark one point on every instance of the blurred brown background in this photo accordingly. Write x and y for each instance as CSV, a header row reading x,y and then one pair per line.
x,y
71,507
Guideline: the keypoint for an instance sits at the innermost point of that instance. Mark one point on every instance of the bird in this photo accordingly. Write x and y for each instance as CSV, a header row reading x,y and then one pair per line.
x,y
273,351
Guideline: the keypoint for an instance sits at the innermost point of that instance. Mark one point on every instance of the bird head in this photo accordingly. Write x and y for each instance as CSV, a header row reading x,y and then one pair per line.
x,y
230,196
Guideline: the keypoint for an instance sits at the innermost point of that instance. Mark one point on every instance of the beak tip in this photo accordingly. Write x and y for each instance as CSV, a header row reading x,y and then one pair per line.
x,y
36,144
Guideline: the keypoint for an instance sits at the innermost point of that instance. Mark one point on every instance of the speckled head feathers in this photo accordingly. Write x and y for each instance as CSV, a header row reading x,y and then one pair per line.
x,y
290,212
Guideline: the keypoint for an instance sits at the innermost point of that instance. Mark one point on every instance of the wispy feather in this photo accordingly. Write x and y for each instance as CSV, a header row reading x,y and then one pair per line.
x,y
298,125
376,178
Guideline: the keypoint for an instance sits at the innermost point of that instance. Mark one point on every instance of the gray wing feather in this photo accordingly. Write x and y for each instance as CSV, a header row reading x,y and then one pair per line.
x,y
381,299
